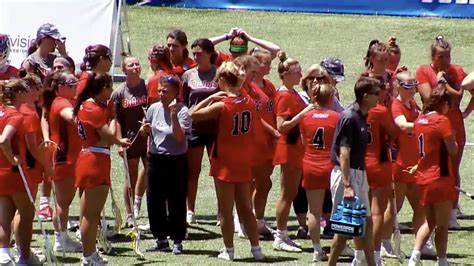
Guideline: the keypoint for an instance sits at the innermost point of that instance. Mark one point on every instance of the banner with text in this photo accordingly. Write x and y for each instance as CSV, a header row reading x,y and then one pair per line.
x,y
82,22
429,8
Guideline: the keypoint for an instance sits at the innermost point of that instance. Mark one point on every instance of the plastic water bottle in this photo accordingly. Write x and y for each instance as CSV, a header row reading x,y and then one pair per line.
x,y
347,213
356,219
337,216
363,213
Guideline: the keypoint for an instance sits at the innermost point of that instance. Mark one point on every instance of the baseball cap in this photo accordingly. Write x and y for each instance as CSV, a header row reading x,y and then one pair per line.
x,y
49,30
334,67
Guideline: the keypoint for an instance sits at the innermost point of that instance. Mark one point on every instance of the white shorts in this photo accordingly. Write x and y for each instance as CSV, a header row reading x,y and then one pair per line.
x,y
358,182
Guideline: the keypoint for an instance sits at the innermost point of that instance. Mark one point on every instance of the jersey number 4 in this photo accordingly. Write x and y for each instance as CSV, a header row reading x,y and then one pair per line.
x,y
241,123
318,139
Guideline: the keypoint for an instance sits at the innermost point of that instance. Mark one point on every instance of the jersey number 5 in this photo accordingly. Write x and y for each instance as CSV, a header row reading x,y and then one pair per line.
x,y
421,145
318,139
241,123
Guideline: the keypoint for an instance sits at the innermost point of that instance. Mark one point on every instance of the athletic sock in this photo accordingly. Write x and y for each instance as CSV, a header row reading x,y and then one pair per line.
x,y
416,254
44,202
359,255
442,261
317,247
138,199
281,233
5,251
377,257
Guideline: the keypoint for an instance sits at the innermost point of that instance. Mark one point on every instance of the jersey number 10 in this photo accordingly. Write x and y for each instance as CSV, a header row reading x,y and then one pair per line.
x,y
241,123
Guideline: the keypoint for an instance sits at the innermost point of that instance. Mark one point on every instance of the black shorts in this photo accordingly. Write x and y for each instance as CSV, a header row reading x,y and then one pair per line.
x,y
197,141
138,148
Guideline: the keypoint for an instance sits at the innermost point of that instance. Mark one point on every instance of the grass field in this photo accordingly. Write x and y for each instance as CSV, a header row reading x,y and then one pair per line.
x,y
307,38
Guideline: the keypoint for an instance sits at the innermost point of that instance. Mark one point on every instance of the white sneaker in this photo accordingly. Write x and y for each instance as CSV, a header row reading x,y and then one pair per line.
x,y
386,250
136,209
442,263
356,262
35,259
144,228
319,256
285,244
190,217
226,254
379,262
5,259
414,261
95,259
347,252
428,249
264,228
257,254
70,245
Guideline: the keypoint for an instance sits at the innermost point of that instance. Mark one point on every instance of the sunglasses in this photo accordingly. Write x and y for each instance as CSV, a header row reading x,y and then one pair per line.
x,y
408,84
318,79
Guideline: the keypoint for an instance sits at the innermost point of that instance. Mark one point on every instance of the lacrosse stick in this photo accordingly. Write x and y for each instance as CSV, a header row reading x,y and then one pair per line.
x,y
116,212
469,195
51,259
135,233
104,244
53,190
397,235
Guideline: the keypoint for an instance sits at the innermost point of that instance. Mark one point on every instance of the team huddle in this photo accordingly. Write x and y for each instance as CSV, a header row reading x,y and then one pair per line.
x,y
58,125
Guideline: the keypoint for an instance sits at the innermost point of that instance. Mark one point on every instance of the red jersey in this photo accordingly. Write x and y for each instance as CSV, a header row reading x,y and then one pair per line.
x,y
82,81
454,75
179,70
289,149
223,57
11,73
431,129
10,180
63,133
269,114
317,128
91,117
230,155
406,157
380,125
289,103
32,125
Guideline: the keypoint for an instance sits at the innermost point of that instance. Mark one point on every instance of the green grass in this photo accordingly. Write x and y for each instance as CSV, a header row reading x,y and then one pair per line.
x,y
307,38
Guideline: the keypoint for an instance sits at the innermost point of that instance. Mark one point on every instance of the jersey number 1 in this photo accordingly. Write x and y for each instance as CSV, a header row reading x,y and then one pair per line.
x,y
421,145
241,123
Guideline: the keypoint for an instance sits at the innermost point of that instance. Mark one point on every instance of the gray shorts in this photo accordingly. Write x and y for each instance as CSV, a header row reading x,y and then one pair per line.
x,y
359,184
